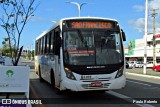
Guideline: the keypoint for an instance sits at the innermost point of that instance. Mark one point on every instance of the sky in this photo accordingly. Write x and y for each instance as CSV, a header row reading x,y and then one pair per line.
x,y
129,13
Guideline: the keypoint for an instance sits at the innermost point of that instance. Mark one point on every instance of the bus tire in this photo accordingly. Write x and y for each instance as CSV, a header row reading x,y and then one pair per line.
x,y
40,77
53,83
52,79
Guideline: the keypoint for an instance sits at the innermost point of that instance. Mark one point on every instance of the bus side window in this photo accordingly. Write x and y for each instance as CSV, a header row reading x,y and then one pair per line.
x,y
45,44
39,47
52,43
42,46
49,42
57,43
36,50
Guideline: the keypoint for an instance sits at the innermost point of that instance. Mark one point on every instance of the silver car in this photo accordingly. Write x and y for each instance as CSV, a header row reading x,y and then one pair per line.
x,y
2,60
138,64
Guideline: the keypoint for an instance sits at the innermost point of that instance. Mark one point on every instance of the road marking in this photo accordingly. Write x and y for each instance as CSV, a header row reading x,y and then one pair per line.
x,y
139,83
129,99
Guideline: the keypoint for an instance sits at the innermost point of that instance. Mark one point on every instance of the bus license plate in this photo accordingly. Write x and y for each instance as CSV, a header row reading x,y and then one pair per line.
x,y
96,84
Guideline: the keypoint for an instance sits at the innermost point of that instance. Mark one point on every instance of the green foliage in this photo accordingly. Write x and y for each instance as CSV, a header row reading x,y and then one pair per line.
x,y
3,42
6,39
6,51
32,53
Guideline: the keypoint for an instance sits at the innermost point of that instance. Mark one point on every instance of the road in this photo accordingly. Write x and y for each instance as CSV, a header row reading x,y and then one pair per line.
x,y
137,89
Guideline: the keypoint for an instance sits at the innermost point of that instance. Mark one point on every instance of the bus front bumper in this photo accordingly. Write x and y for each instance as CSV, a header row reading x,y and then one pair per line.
x,y
74,85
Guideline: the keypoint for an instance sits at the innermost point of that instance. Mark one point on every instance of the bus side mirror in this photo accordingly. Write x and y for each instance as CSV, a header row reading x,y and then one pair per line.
x,y
123,35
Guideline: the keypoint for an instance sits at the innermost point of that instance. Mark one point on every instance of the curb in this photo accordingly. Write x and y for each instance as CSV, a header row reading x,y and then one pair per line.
x,y
142,75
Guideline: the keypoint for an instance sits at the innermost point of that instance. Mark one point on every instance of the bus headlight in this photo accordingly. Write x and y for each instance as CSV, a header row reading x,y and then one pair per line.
x,y
69,74
120,72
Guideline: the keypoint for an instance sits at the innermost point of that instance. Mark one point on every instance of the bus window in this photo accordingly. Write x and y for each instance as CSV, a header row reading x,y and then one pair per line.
x,y
45,44
36,51
49,42
52,43
42,47
57,43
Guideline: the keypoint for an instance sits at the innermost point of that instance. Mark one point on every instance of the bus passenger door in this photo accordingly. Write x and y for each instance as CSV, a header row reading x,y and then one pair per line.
x,y
57,57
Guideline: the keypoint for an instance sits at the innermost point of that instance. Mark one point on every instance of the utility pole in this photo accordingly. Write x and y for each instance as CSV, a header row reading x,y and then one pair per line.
x,y
154,35
145,38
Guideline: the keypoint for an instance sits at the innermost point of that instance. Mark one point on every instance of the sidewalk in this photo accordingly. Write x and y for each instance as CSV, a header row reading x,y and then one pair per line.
x,y
139,72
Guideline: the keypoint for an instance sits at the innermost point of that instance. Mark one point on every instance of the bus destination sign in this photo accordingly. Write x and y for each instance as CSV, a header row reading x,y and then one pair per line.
x,y
103,25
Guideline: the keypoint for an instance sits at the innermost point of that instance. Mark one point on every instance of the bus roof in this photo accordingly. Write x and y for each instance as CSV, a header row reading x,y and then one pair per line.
x,y
88,18
71,18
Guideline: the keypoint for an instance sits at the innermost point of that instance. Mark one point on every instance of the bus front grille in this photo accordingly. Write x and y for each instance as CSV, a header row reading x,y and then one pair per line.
x,y
98,79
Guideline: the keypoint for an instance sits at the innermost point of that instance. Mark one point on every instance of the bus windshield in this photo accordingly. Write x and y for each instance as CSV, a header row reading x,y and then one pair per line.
x,y
92,47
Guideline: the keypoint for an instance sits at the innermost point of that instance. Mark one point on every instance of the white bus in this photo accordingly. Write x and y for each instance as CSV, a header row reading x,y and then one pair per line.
x,y
82,54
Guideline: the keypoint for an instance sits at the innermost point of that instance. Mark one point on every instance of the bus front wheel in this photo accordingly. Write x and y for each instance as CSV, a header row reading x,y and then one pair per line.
x,y
53,83
52,79
40,77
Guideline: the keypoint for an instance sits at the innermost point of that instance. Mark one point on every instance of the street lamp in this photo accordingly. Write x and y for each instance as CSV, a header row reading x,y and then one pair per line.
x,y
145,38
78,5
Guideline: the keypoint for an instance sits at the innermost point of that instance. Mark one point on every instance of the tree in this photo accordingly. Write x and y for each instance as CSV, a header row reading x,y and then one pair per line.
x,y
16,14
5,48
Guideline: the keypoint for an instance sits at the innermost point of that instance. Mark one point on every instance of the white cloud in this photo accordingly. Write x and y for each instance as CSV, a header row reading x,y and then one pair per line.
x,y
139,7
42,19
154,4
35,18
140,22
158,30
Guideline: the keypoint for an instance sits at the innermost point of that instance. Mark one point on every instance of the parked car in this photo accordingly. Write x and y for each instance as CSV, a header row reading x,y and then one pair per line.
x,y
150,64
130,64
2,59
138,64
127,65
156,68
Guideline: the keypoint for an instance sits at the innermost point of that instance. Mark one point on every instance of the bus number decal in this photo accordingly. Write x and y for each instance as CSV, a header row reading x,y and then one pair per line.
x,y
85,77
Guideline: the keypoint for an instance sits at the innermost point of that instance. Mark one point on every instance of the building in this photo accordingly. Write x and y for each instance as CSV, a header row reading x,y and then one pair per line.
x,y
135,49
